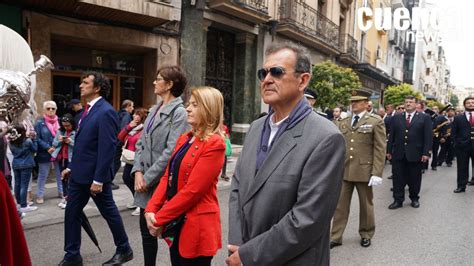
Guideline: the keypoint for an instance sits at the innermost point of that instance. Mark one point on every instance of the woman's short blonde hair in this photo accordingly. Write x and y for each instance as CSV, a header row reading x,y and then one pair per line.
x,y
210,111
49,104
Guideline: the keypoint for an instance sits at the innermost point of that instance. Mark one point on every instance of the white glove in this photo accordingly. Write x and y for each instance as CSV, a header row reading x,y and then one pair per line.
x,y
375,181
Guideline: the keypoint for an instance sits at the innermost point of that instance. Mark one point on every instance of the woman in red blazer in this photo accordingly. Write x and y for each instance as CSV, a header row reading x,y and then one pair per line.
x,y
189,186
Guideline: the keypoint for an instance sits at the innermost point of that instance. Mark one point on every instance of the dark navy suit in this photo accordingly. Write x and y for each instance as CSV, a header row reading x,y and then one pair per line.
x,y
92,160
407,144
463,139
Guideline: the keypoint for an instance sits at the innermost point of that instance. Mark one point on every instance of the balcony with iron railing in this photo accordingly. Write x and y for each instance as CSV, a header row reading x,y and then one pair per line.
x,y
348,47
303,23
255,11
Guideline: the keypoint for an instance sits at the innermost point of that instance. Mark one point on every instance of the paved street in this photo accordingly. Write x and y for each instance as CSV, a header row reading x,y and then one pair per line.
x,y
440,232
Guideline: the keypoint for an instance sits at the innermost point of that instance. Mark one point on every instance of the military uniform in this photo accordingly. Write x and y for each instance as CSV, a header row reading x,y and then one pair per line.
x,y
365,157
446,154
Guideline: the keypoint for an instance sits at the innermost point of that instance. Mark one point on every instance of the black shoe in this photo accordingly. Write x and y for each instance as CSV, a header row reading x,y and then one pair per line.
x,y
422,171
395,205
365,242
434,168
75,262
333,244
225,178
114,186
415,203
449,164
439,164
470,183
391,189
390,177
459,190
120,258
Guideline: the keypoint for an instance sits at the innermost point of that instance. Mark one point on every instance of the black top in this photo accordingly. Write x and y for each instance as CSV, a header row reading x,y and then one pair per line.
x,y
175,163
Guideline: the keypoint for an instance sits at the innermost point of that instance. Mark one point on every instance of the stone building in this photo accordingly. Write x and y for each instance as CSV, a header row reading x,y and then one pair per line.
x,y
127,40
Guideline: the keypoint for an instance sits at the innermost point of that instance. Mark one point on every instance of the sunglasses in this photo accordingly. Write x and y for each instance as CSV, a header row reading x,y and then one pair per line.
x,y
400,108
276,72
50,108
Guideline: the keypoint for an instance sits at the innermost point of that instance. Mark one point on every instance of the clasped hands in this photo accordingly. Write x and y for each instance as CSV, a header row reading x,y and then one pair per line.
x,y
150,223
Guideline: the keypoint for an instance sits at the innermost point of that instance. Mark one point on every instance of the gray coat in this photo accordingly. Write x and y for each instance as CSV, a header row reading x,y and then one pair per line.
x,y
154,149
282,214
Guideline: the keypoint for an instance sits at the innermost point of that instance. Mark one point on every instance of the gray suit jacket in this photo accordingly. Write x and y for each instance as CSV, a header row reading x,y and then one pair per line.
x,y
282,214
154,149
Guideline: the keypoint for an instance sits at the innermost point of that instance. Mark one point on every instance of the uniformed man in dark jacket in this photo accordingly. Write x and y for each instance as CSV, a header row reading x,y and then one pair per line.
x,y
409,143
311,97
446,154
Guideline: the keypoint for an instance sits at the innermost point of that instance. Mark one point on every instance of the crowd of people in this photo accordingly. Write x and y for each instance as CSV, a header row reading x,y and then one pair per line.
x,y
289,202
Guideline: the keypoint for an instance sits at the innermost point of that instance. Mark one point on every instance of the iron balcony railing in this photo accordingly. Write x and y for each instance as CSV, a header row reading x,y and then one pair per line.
x,y
257,5
348,45
309,20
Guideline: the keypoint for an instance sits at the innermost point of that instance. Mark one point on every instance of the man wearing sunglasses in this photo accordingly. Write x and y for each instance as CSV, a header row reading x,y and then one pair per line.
x,y
285,188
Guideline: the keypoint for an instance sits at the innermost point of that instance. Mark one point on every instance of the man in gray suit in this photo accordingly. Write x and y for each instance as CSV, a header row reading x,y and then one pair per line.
x,y
289,174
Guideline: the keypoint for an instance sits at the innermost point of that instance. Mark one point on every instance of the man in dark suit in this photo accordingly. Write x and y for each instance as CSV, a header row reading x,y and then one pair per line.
x,y
446,153
462,132
409,143
90,172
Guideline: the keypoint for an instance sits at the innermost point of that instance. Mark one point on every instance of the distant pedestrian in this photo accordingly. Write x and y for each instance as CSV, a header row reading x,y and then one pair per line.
x,y
462,132
63,144
23,147
129,135
76,108
46,129
408,145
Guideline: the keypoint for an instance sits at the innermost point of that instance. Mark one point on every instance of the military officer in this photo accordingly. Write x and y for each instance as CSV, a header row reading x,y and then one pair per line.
x,y
311,97
365,160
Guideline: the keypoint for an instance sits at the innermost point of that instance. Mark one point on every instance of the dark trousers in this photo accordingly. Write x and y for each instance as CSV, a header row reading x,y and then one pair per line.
x,y
434,160
224,167
117,162
446,154
463,166
178,260
406,173
128,179
149,242
78,197
63,165
22,179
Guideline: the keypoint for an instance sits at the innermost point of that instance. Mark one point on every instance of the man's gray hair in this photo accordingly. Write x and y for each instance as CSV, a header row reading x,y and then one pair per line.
x,y
303,61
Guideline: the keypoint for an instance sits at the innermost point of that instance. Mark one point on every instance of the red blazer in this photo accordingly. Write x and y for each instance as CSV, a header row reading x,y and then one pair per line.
x,y
197,197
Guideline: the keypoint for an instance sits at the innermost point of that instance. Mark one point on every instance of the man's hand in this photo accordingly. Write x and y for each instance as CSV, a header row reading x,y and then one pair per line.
x,y
425,158
234,259
95,189
65,174
389,156
51,150
140,184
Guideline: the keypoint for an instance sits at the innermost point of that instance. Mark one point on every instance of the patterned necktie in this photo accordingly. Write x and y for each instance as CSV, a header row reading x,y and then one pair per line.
x,y
84,114
356,119
408,119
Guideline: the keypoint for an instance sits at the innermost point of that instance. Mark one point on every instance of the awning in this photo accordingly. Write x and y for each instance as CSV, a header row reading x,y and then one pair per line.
x,y
375,73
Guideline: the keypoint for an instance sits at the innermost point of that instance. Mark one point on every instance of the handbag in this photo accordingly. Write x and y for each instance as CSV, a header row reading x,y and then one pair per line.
x,y
128,156
173,227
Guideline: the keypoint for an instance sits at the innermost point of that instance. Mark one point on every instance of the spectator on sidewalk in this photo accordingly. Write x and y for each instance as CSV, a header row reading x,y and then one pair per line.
x,y
125,117
22,148
228,152
46,129
165,123
129,135
188,189
76,108
63,144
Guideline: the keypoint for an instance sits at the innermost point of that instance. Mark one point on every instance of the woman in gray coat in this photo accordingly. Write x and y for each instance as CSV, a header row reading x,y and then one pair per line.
x,y
166,121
